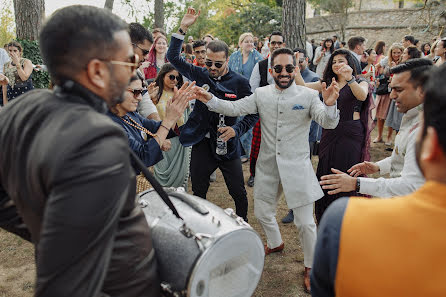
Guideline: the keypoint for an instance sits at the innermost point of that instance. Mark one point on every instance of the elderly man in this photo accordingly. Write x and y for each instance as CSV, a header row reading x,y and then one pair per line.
x,y
65,166
285,112
406,177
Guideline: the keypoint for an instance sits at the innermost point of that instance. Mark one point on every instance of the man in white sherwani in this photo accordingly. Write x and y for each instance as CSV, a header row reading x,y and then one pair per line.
x,y
286,111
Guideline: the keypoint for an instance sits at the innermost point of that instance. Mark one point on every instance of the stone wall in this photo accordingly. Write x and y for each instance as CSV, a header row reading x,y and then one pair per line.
x,y
389,25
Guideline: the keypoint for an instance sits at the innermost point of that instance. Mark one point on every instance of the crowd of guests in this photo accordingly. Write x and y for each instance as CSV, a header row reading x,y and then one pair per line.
x,y
371,85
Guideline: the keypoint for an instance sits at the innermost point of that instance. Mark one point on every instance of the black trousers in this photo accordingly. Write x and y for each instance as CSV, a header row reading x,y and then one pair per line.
x,y
203,163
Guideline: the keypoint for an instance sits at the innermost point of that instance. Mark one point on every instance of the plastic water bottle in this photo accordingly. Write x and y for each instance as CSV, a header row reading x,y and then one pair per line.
x,y
222,146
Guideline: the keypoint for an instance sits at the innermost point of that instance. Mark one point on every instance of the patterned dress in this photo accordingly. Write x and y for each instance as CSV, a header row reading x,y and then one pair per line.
x,y
16,86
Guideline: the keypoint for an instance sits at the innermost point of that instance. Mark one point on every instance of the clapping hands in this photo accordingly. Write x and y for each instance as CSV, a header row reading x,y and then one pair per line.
x,y
153,92
331,93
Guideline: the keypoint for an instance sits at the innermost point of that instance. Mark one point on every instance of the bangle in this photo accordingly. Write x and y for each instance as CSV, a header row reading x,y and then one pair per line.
x,y
358,185
164,127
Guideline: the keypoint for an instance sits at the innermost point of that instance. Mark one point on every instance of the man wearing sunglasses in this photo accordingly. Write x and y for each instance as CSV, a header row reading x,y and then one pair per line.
x,y
65,166
200,130
142,41
285,112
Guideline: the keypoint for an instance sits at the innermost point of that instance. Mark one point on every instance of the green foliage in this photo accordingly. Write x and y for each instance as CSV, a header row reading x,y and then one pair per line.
x,y
332,6
7,23
31,51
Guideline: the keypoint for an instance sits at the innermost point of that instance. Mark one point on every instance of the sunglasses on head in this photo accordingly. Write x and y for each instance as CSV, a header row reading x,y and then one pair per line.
x,y
173,77
217,64
279,43
289,68
137,92
144,51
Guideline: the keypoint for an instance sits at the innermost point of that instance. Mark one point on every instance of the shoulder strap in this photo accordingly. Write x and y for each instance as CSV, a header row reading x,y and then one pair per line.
x,y
263,70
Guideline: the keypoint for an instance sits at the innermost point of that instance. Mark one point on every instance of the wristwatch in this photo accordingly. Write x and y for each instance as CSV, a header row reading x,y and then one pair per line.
x,y
181,31
358,185
351,81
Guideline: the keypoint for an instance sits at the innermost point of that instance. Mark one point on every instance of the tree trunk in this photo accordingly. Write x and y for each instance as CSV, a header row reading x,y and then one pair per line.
x,y
159,14
109,4
29,18
293,26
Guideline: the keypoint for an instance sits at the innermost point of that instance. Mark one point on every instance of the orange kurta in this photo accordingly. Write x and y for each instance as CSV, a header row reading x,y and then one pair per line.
x,y
394,247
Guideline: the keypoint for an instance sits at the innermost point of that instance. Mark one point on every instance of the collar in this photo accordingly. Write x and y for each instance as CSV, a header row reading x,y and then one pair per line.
x,y
358,57
76,92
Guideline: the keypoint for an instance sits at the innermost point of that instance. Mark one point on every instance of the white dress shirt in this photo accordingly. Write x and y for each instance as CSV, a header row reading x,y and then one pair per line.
x,y
254,81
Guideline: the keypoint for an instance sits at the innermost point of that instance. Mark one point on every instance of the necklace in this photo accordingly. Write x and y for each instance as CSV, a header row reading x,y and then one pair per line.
x,y
139,127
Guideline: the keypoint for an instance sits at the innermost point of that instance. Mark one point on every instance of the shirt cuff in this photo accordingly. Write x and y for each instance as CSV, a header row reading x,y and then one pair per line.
x,y
213,103
178,36
384,166
367,186
332,110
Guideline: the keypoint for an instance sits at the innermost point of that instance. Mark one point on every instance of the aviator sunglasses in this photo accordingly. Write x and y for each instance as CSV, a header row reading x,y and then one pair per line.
x,y
137,92
217,64
289,68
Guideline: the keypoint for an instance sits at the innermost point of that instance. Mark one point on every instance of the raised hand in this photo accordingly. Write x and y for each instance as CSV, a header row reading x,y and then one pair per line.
x,y
363,168
180,100
346,72
202,95
153,92
331,93
189,18
15,58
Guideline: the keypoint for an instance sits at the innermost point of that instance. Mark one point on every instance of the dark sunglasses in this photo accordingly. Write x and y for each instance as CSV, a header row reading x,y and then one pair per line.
x,y
301,60
217,64
276,43
289,68
137,92
144,51
173,77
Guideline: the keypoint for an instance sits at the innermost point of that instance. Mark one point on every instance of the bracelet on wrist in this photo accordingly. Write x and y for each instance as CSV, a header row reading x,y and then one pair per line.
x,y
352,80
182,32
165,127
358,185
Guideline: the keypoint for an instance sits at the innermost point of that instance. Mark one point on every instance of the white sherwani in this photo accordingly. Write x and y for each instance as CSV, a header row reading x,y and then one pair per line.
x,y
285,118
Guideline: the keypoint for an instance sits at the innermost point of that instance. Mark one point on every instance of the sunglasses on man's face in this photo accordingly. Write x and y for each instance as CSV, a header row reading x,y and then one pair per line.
x,y
137,92
289,68
133,64
217,64
144,51
173,77
301,60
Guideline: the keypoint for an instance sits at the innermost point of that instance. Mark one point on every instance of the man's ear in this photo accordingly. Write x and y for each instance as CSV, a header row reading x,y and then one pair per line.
x,y
98,73
420,93
430,148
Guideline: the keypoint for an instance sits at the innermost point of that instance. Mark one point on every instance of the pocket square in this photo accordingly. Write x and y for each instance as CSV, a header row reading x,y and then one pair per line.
x,y
298,106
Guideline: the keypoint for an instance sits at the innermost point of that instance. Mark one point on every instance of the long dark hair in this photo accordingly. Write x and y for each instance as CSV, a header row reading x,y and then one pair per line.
x,y
328,72
332,45
159,80
379,47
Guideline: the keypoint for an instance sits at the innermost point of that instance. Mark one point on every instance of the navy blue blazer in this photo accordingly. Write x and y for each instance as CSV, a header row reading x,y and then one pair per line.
x,y
231,86
148,151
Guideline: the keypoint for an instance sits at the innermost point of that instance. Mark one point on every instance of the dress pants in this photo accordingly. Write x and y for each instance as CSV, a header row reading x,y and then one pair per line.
x,y
265,212
203,163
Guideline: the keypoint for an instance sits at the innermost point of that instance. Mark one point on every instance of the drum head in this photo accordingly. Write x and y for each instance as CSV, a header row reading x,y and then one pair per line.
x,y
228,269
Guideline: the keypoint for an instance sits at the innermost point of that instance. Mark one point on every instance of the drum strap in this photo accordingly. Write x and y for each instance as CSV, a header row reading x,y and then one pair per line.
x,y
156,185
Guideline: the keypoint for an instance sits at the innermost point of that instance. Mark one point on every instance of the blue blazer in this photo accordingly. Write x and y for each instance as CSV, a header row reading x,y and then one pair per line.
x,y
231,86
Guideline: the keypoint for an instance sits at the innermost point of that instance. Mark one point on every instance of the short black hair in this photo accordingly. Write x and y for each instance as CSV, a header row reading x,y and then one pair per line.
x,y
343,43
198,43
410,38
138,33
300,50
278,33
218,46
354,41
78,33
413,52
435,103
282,51
418,69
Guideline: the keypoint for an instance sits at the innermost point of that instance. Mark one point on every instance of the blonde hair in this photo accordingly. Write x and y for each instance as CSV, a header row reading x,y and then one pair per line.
x,y
243,37
389,53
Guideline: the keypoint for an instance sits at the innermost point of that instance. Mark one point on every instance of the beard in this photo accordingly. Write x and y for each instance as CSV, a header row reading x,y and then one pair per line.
x,y
116,90
284,85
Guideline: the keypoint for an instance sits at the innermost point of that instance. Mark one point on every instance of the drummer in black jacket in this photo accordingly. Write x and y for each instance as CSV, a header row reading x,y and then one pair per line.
x,y
65,166
201,128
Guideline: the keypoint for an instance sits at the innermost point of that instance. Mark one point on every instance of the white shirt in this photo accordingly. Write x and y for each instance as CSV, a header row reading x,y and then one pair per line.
x,y
254,80
405,174
4,58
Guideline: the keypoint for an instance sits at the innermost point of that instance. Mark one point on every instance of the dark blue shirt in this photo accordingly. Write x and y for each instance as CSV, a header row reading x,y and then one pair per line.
x,y
231,86
148,151
323,273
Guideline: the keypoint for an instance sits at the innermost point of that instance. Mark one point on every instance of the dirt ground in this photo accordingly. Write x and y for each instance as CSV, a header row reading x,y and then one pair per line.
x,y
282,274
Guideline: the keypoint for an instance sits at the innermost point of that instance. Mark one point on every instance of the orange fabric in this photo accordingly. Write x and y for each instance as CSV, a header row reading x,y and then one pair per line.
x,y
394,247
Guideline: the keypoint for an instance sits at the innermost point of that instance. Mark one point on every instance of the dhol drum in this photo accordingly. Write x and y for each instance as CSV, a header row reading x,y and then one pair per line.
x,y
212,253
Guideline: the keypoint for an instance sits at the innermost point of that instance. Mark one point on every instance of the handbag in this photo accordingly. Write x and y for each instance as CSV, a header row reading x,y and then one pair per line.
x,y
383,88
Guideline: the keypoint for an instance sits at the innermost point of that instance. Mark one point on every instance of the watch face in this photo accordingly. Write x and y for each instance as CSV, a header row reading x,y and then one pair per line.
x,y
206,87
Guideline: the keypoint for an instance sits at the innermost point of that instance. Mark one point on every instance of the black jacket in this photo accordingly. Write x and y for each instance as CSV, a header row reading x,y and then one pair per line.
x,y
66,167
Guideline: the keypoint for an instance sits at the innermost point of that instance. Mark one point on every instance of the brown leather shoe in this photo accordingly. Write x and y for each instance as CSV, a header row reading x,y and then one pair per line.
x,y
307,286
274,250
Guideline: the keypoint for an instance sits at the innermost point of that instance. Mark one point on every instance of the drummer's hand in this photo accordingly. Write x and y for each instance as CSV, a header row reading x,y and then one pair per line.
x,y
166,145
338,182
227,133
